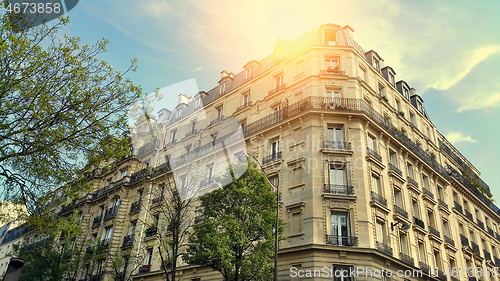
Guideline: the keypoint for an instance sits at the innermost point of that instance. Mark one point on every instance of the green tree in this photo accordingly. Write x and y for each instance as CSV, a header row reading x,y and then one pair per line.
x,y
236,236
59,108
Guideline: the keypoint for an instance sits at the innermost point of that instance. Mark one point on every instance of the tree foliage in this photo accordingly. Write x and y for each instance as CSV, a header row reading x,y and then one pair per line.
x,y
236,237
59,108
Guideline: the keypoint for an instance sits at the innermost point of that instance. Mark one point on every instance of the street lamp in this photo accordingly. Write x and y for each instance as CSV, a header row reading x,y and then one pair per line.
x,y
404,225
243,157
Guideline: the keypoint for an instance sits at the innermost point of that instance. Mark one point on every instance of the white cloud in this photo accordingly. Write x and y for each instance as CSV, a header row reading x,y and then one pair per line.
x,y
199,68
458,137
480,102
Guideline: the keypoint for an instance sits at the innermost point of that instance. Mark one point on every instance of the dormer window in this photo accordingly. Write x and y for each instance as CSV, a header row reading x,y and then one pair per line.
x,y
248,74
279,54
331,38
391,79
178,114
222,89
376,64
419,106
406,93
197,103
381,90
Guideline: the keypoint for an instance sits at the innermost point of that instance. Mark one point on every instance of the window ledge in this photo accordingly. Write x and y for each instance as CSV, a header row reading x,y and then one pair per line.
x,y
297,235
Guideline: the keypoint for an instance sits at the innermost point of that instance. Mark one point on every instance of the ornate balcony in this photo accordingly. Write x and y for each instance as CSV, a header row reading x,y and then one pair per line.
x,y
373,154
271,158
443,204
339,189
458,207
428,193
425,267
490,231
407,259
395,170
337,145
469,215
111,213
128,240
434,232
277,89
135,207
344,241
449,241
381,247
412,182
487,255
480,224
400,211
464,240
475,248
379,199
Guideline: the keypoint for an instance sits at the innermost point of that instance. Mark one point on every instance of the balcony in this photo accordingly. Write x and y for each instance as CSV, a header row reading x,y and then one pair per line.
x,y
337,145
468,215
162,169
487,255
379,199
490,231
441,276
339,189
428,193
97,221
128,240
381,247
458,207
144,269
332,72
420,223
343,241
497,236
151,231
497,261
407,259
450,241
277,89
425,267
136,207
480,224
395,170
442,204
111,213
104,245
373,154
412,182
475,248
464,241
245,105
400,211
158,199
271,158
140,175
434,232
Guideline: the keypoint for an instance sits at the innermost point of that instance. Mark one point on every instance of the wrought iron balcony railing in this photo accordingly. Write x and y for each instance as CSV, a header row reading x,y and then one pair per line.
x,y
458,207
247,104
449,241
497,236
407,259
332,72
487,255
374,154
337,145
464,240
111,213
128,240
379,199
344,241
480,224
271,158
277,89
395,170
428,193
144,269
339,189
97,221
434,231
497,261
400,211
412,182
490,231
135,207
475,248
425,267
381,247
443,204
151,231
468,215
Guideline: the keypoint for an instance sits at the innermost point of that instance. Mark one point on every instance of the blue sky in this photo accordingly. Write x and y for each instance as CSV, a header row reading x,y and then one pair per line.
x,y
449,51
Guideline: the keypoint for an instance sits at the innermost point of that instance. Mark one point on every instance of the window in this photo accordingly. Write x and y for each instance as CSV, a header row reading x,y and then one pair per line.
x,y
335,134
279,54
178,113
123,173
222,88
278,82
403,242
419,106
219,112
172,136
340,228
332,94
406,93
421,252
446,227
275,148
398,198
413,120
426,131
342,273
372,143
381,232
197,103
131,229
148,257
193,126
338,174
330,38
416,210
210,170
109,232
393,158
398,105
246,99
362,73
376,64
376,187
478,216
248,74
432,222
391,79
381,90
331,64
297,222
80,218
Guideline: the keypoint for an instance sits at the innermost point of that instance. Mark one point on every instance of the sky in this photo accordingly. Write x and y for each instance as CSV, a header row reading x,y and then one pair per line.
x,y
449,51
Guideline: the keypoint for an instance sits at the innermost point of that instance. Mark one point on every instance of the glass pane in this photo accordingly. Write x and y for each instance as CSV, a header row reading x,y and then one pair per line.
x,y
339,136
334,223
